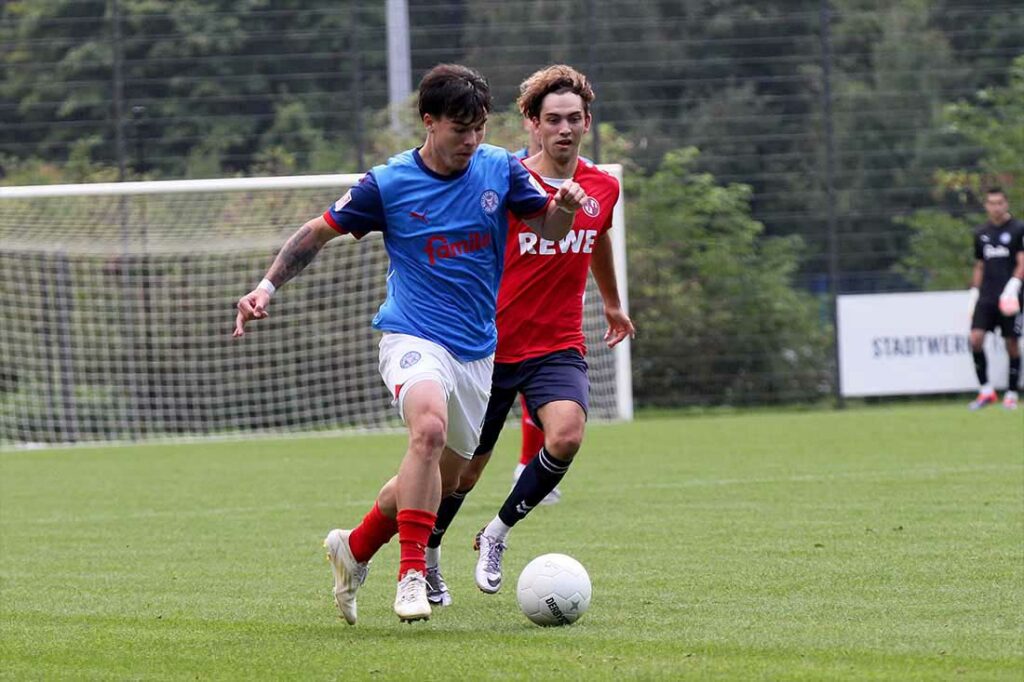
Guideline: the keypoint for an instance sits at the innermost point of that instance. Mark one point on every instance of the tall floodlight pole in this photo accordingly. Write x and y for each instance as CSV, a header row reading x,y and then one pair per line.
x,y
592,70
830,189
119,137
399,61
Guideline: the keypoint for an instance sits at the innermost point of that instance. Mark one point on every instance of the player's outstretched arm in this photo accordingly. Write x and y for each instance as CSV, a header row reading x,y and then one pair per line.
x,y
602,264
298,252
556,221
976,276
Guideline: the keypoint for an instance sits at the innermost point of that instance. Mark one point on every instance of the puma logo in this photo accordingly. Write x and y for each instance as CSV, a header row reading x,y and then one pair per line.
x,y
420,216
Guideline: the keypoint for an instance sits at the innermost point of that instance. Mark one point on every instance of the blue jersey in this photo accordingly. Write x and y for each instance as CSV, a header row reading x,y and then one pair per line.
x,y
445,237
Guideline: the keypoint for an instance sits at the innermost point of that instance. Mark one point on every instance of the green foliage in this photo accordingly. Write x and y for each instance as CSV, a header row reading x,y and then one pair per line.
x,y
212,80
718,318
940,253
994,121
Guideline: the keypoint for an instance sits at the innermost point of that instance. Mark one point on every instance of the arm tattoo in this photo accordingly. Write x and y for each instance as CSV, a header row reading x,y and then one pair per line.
x,y
295,255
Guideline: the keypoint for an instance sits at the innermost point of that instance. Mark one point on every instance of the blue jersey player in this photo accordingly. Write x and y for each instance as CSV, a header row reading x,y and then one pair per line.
x,y
442,209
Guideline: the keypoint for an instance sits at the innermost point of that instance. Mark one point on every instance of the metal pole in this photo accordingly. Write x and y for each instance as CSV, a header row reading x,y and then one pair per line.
x,y
830,191
132,417
355,57
592,74
119,137
399,60
63,300
138,111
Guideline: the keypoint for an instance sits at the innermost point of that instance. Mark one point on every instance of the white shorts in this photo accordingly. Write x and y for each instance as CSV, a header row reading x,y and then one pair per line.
x,y
407,360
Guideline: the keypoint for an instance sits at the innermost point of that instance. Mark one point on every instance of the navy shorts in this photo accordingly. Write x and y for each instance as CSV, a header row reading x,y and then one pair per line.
x,y
561,375
987,316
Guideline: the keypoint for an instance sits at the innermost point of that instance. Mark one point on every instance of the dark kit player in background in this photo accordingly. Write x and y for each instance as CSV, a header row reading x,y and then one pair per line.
x,y
996,294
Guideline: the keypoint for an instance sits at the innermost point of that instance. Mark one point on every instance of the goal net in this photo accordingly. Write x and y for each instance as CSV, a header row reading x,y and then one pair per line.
x,y
118,306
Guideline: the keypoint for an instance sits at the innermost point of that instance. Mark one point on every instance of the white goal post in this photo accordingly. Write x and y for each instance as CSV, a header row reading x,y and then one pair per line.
x,y
118,307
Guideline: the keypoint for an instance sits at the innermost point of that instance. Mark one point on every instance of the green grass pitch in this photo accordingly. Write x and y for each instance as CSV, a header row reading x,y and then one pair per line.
x,y
871,543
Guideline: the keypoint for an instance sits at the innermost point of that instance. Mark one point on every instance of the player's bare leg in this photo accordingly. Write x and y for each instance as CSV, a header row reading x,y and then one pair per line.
x,y
532,442
453,466
564,422
986,394
349,552
1010,398
417,490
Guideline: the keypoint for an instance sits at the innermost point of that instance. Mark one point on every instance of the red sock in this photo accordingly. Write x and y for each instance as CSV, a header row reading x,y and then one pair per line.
x,y
533,439
414,526
373,533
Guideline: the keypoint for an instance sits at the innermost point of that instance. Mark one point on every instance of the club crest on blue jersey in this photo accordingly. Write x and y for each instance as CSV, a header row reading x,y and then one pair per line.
x,y
489,201
409,359
1005,237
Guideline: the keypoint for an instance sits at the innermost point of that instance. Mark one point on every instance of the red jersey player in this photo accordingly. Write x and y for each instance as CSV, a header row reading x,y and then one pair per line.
x,y
541,346
532,438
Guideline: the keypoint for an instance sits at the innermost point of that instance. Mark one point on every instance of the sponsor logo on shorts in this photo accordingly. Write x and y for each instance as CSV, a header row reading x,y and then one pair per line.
x,y
489,201
409,359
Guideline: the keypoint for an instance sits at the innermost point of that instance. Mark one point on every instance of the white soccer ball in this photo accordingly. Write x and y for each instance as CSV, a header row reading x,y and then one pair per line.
x,y
553,589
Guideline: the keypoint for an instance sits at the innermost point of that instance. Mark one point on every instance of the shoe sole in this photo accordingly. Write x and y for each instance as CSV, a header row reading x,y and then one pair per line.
x,y
412,619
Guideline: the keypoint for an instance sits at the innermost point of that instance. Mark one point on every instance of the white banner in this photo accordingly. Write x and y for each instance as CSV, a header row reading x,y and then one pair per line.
x,y
897,344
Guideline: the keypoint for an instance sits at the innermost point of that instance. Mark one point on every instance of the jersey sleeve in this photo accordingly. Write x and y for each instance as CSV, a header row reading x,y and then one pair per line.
x,y
526,198
360,210
611,212
978,254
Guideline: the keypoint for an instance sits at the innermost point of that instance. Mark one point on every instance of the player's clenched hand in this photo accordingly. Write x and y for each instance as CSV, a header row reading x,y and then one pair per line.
x,y
570,196
252,306
619,326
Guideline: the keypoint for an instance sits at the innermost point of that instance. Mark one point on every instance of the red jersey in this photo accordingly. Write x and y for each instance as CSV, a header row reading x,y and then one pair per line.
x,y
540,302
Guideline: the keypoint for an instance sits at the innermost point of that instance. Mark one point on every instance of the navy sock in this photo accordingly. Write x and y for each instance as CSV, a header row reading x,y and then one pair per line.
x,y
1014,373
538,479
981,366
446,511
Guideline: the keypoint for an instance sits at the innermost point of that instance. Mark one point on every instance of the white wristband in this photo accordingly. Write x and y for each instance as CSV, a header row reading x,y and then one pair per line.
x,y
1012,288
267,286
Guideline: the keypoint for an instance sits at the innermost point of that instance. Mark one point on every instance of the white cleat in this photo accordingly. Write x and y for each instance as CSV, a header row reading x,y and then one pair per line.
x,y
349,574
488,564
437,590
1010,400
411,599
553,497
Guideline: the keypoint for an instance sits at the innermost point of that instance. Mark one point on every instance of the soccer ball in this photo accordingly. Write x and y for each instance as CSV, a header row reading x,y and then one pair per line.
x,y
553,589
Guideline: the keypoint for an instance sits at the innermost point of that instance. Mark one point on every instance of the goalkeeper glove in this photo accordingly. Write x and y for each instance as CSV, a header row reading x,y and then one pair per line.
x,y
1009,300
